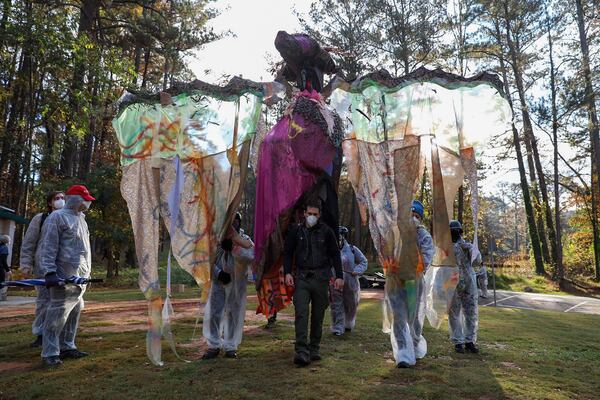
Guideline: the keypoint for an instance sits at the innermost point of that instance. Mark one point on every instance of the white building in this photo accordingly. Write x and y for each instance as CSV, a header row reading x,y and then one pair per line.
x,y
8,221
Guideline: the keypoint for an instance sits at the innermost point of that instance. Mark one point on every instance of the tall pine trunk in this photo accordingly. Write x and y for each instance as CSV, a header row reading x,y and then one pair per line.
x,y
558,273
69,157
533,232
590,100
542,207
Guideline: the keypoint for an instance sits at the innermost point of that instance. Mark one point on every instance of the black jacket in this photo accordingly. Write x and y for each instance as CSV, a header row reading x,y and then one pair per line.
x,y
312,248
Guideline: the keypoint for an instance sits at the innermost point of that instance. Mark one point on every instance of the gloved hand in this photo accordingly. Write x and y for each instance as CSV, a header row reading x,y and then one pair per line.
x,y
227,244
52,280
224,277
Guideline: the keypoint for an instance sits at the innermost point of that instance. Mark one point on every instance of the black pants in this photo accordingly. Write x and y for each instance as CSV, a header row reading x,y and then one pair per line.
x,y
310,288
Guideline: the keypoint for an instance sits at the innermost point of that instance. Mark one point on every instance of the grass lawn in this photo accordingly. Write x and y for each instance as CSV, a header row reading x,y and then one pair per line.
x,y
525,355
524,282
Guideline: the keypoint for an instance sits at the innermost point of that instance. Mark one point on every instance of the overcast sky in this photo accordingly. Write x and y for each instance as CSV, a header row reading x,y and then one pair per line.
x,y
254,25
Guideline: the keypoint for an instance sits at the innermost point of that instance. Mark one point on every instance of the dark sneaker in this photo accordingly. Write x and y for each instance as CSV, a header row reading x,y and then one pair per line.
x,y
271,323
210,354
348,330
72,353
403,364
230,354
315,357
301,359
471,348
37,342
459,348
52,361
338,334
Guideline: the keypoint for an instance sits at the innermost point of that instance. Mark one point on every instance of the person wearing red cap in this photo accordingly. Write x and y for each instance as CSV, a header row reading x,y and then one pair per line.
x,y
65,251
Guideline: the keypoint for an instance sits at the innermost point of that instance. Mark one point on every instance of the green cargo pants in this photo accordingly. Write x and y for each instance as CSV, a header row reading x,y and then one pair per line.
x,y
311,287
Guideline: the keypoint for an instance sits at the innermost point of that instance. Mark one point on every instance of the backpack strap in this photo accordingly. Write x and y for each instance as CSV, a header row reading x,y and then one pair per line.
x,y
44,216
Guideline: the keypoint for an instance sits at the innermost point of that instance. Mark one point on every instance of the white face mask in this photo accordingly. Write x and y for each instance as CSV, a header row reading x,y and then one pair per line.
x,y
87,204
311,221
58,204
416,221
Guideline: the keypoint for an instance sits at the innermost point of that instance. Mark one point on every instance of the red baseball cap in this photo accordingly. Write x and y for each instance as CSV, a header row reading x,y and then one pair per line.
x,y
81,191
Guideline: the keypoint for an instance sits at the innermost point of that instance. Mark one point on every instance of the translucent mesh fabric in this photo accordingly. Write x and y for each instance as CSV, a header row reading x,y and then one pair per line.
x,y
450,115
210,140
381,113
194,126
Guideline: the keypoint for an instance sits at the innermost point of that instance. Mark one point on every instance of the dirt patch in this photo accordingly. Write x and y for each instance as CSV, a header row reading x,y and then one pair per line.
x,y
373,294
5,323
126,320
116,328
14,366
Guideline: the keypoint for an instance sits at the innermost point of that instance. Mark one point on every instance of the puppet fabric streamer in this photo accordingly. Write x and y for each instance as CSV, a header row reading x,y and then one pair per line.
x,y
185,160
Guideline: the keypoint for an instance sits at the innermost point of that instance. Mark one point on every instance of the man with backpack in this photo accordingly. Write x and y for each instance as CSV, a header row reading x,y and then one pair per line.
x,y
30,261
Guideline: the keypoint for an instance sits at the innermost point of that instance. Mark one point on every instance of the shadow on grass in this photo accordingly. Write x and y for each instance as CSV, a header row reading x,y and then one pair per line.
x,y
525,355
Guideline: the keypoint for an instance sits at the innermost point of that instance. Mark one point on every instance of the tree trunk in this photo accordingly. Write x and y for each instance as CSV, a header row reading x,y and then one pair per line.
x,y
110,265
136,64
531,144
558,274
533,233
87,17
146,63
461,204
590,100
88,145
6,6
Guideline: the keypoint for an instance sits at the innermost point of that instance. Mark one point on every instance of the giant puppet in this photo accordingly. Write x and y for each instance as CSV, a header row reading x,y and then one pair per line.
x,y
300,157
185,155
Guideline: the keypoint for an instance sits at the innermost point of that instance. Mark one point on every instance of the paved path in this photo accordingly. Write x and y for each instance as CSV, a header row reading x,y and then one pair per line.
x,y
17,301
548,302
529,301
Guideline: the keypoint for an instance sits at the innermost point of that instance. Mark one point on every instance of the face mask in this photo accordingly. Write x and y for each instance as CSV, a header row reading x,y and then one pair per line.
x,y
58,204
311,221
416,221
87,204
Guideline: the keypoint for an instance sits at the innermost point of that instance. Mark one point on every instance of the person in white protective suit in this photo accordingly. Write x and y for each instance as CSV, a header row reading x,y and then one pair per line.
x,y
29,264
463,313
482,282
64,252
225,310
408,343
344,304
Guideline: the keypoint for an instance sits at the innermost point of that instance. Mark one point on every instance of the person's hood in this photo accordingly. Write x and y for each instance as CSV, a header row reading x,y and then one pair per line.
x,y
73,202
